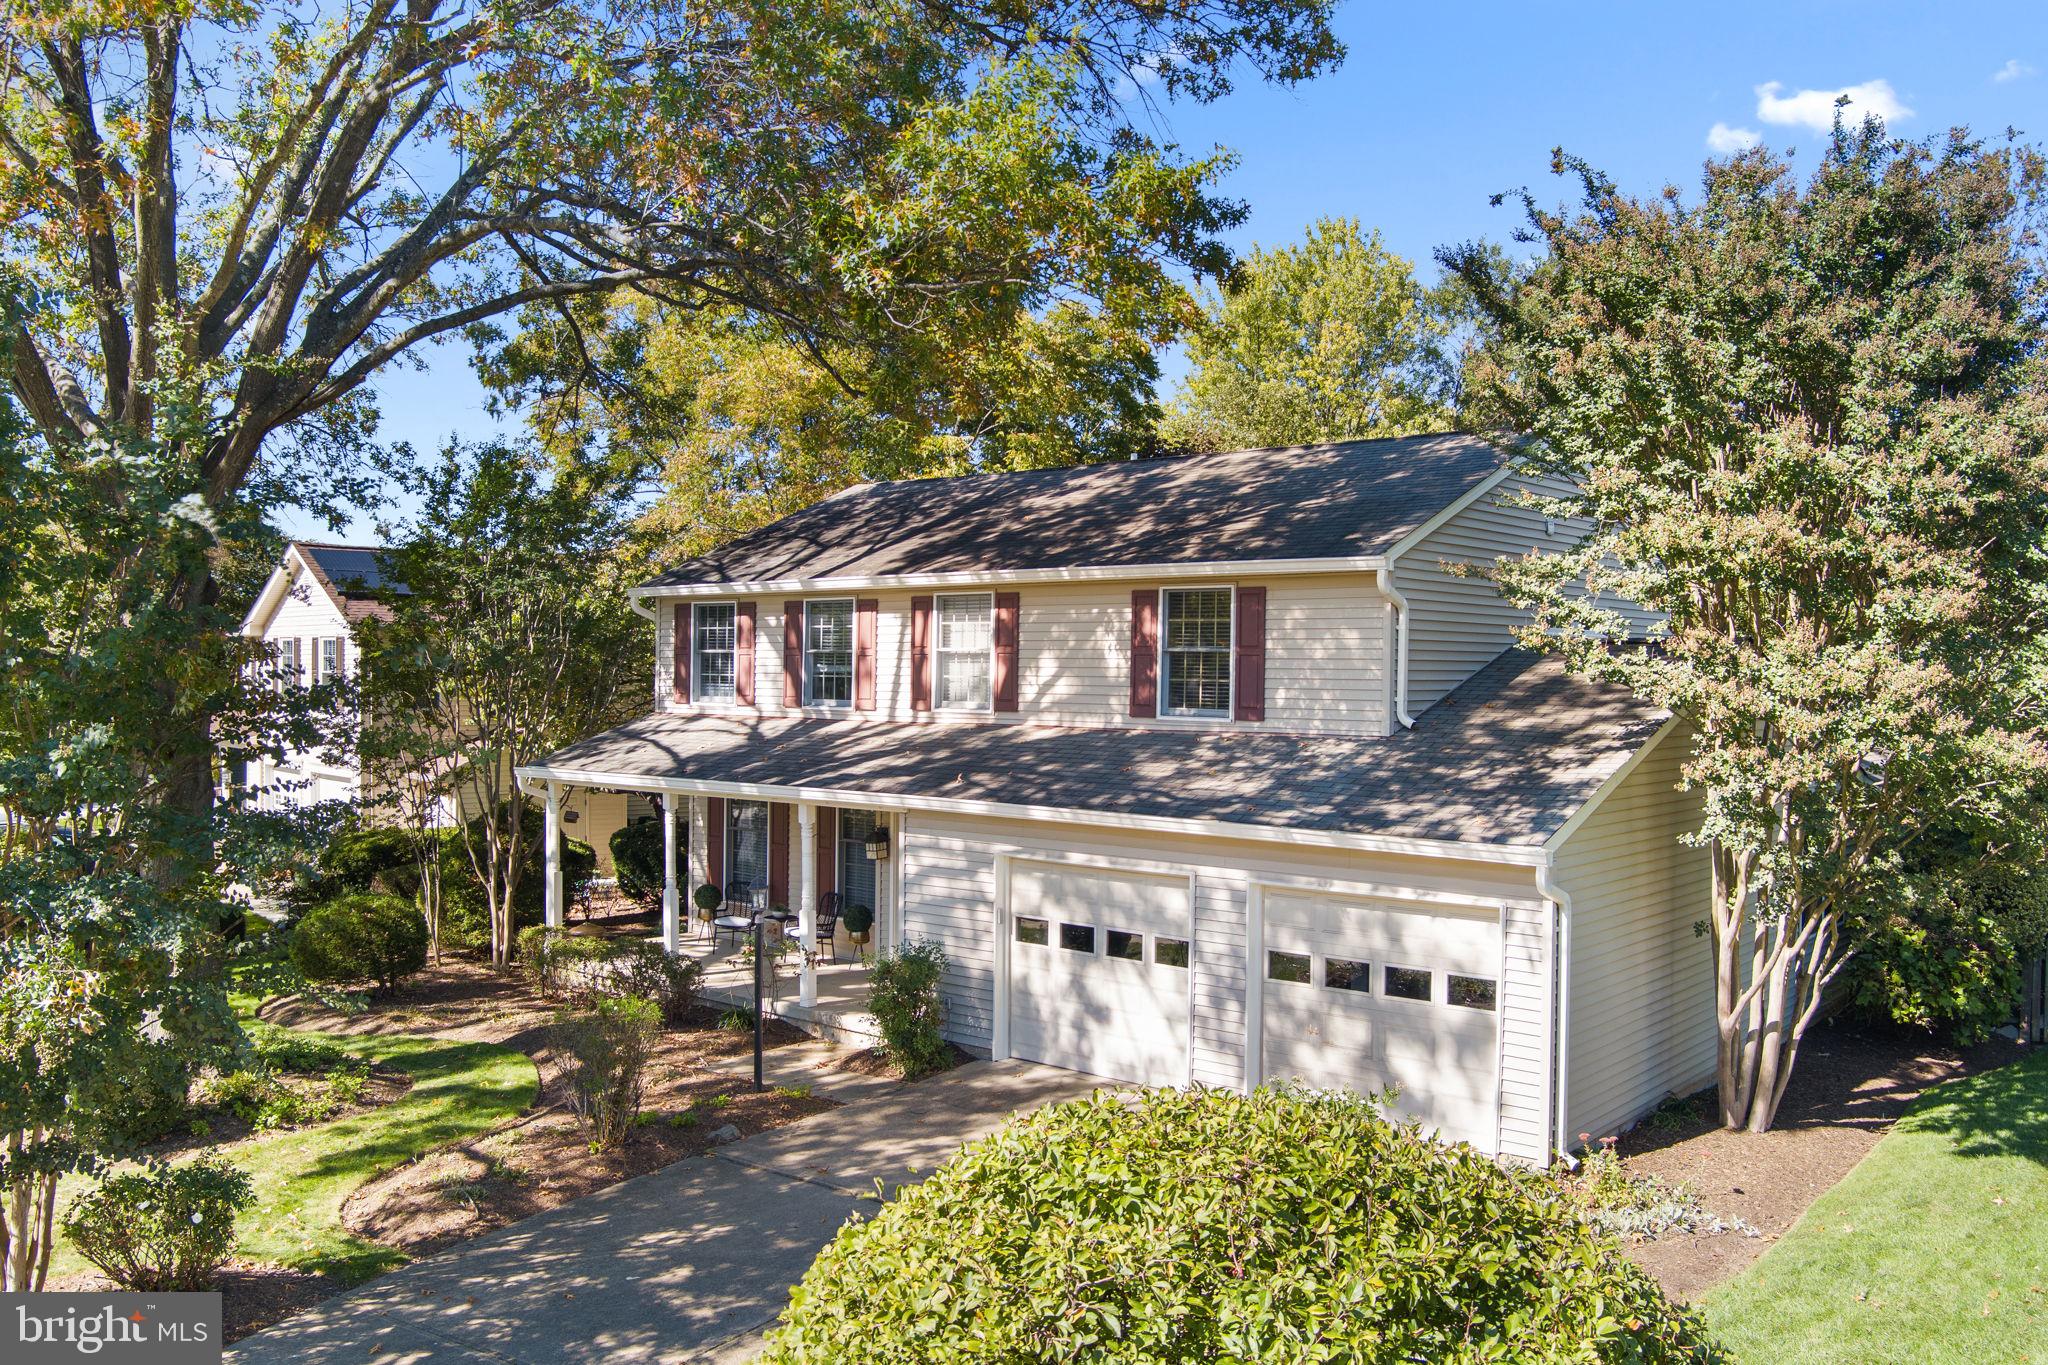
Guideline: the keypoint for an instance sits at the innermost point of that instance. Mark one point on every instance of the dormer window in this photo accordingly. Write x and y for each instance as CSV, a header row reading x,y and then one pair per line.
x,y
1195,651
828,652
715,649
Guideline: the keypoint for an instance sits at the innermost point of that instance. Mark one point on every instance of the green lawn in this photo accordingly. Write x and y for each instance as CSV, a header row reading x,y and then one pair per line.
x,y
1933,1250
459,1090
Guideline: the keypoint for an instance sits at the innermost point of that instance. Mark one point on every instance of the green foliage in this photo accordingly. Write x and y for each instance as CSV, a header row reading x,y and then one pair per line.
x,y
1174,1226
377,858
903,995
362,937
637,851
167,1230
141,1093
1636,1208
601,1052
465,922
264,1102
1804,423
297,1052
857,919
1947,952
738,1019
708,898
1329,340
584,965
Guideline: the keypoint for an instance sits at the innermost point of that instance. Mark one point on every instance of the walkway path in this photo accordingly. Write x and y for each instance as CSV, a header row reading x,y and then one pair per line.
x,y
687,1264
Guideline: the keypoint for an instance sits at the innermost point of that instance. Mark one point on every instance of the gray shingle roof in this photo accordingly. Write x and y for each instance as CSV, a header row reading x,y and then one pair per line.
x,y
1307,502
1505,759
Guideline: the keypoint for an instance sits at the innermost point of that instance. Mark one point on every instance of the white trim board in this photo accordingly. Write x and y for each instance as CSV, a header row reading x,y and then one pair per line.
x,y
993,578
1513,855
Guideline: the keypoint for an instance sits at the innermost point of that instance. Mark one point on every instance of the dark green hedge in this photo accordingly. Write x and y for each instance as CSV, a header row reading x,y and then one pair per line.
x,y
365,936
1209,1226
636,857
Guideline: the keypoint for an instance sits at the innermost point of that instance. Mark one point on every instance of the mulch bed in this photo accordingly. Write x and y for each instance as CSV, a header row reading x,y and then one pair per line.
x,y
1849,1087
252,1296
872,1061
694,1090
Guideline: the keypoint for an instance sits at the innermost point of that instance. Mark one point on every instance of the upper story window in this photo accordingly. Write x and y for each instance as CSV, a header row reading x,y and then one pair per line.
x,y
716,649
328,664
1194,635
288,663
828,652
966,647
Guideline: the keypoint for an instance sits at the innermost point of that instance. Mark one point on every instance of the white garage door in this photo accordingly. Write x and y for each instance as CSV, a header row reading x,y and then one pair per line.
x,y
1361,995
1099,972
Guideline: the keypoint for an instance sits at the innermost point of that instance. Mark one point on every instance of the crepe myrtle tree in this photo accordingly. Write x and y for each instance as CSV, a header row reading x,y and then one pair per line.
x,y
1808,423
511,639
244,209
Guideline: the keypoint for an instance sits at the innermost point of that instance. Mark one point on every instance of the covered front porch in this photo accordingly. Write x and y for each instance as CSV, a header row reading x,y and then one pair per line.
x,y
818,876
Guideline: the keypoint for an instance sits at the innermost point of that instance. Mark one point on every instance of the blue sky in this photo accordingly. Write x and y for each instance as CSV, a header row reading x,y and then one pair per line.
x,y
1441,106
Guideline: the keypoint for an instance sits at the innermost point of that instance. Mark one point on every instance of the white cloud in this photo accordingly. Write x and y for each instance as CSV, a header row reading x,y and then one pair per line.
x,y
1815,109
1723,139
2014,70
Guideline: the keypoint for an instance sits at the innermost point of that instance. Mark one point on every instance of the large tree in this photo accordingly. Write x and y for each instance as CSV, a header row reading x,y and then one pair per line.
x,y
508,643
1808,422
239,212
1329,339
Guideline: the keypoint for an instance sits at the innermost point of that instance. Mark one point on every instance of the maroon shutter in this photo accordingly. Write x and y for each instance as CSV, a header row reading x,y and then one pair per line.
x,y
1006,652
714,840
864,653
828,848
792,654
680,647
1249,639
778,854
743,654
920,653
1145,652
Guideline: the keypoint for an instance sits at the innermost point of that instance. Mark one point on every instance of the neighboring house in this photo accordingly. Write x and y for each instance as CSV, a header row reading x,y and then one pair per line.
x,y
1203,770
306,617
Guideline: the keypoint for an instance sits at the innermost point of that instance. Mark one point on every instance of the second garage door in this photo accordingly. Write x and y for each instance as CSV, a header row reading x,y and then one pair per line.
x,y
1099,972
1361,995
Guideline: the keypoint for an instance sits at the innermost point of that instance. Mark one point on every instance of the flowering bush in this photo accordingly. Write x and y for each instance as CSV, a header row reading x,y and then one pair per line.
x,y
164,1230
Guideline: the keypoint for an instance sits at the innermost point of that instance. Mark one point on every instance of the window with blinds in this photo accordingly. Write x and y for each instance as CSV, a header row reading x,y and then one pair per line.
x,y
828,652
1194,638
966,645
716,647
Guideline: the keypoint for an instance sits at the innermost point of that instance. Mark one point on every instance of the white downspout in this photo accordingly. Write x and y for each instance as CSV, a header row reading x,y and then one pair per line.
x,y
1562,899
1401,614
640,607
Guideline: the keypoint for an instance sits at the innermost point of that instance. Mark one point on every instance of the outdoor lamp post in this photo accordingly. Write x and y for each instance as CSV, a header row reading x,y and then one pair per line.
x,y
760,963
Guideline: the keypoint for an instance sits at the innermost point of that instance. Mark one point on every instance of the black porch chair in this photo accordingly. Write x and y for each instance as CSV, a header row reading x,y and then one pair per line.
x,y
739,904
828,924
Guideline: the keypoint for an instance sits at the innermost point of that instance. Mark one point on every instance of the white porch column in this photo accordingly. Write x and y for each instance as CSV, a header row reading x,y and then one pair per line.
x,y
807,898
671,930
552,849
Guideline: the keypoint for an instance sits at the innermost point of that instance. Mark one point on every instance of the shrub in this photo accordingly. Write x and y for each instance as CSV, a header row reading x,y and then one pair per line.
x,y
296,1052
579,964
647,971
707,899
164,1230
264,1102
373,859
141,1096
601,1053
465,918
1949,947
903,995
1205,1225
857,919
637,857
361,937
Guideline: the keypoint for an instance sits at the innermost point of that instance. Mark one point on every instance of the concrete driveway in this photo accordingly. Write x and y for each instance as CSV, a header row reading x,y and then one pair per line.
x,y
690,1263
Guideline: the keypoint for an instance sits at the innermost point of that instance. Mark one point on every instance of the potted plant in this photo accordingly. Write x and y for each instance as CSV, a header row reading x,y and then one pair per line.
x,y
858,919
708,899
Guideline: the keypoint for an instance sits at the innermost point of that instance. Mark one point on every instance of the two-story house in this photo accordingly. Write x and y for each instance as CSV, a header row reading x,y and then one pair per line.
x,y
306,617
1202,770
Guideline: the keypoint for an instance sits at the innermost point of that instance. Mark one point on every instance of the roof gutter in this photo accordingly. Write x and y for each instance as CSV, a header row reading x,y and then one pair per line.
x,y
1085,573
1512,855
1401,618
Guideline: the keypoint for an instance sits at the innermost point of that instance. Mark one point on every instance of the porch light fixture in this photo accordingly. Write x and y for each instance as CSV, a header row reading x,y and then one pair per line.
x,y
878,844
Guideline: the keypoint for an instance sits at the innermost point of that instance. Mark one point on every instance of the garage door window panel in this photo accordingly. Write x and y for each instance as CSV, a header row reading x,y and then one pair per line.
x,y
1291,967
1033,931
1124,945
1473,992
1077,938
1170,952
1408,983
1347,974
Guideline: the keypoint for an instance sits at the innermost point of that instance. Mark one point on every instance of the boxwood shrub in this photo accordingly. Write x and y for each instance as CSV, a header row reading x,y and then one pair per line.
x,y
636,858
363,937
1204,1225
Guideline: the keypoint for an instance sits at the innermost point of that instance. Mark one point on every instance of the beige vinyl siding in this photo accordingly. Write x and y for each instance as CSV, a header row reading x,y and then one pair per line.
x,y
1325,655
1526,1038
1642,1002
1459,624
949,895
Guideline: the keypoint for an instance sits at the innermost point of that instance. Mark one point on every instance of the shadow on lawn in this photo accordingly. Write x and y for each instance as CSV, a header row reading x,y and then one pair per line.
x,y
1997,1113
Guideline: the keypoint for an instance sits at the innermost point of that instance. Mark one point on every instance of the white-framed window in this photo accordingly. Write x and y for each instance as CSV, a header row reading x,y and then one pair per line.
x,y
288,663
966,650
746,847
714,651
856,869
327,665
828,652
1194,651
